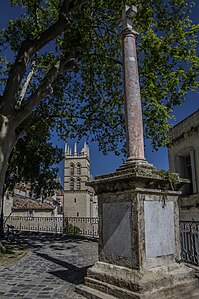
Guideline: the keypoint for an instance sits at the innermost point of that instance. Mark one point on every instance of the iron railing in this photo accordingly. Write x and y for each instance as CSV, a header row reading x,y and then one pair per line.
x,y
189,236
189,230
64,225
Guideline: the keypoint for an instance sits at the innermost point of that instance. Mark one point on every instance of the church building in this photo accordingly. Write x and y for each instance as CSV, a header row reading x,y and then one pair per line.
x,y
79,199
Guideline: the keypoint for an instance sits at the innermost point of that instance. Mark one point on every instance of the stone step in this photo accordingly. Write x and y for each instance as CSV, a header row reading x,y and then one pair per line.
x,y
112,290
134,281
91,293
184,290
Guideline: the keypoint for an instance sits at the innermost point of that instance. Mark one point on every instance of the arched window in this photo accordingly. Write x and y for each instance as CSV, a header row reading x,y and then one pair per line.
x,y
78,184
71,184
72,169
78,169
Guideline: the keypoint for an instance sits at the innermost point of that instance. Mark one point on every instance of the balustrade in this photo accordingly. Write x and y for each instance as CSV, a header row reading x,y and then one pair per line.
x,y
189,235
64,225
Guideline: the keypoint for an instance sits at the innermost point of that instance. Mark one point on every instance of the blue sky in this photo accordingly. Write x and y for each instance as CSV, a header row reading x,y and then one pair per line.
x,y
101,164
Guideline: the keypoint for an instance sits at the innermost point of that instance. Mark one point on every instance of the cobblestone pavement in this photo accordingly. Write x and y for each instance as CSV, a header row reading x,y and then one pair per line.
x,y
51,269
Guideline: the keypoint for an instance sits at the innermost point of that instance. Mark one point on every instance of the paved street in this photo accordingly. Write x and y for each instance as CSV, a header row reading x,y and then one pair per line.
x,y
51,269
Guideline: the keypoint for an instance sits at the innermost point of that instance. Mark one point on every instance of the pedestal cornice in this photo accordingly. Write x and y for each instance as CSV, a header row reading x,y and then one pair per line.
x,y
134,176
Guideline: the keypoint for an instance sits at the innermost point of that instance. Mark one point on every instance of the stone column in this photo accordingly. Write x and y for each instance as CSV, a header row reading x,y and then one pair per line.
x,y
134,126
133,109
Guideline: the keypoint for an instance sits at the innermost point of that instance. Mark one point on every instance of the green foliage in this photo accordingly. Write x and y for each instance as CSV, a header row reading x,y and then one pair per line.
x,y
90,101
69,228
170,177
33,159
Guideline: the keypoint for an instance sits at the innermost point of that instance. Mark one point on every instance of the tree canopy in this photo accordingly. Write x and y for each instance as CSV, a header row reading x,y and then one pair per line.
x,y
34,160
66,66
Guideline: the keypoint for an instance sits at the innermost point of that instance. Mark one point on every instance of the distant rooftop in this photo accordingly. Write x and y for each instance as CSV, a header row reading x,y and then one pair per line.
x,y
20,203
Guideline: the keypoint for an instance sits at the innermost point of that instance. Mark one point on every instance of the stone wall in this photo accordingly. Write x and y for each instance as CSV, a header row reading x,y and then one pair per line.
x,y
77,204
189,208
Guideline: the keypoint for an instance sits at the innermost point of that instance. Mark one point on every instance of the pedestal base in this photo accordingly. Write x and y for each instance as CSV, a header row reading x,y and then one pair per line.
x,y
138,238
110,281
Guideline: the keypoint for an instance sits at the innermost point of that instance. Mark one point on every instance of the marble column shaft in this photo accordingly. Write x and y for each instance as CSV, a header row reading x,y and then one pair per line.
x,y
134,125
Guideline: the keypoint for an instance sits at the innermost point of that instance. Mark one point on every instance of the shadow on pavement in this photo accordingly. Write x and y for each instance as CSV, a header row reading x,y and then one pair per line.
x,y
56,261
73,274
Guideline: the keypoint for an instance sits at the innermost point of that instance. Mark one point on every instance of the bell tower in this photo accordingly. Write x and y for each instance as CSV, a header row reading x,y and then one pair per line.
x,y
78,198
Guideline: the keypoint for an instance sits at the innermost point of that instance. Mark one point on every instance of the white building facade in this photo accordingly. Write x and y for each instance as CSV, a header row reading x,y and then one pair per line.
x,y
184,159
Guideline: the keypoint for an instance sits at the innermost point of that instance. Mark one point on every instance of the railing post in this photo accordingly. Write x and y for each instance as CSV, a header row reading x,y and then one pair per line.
x,y
56,225
74,228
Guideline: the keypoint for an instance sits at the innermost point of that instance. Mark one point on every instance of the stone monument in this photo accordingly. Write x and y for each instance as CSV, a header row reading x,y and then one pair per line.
x,y
139,249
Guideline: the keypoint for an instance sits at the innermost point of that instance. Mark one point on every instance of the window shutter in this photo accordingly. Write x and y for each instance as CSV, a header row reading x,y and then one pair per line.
x,y
193,171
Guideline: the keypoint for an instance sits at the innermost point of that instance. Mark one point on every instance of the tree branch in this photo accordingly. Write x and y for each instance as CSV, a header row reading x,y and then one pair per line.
x,y
91,118
25,86
45,88
19,134
29,48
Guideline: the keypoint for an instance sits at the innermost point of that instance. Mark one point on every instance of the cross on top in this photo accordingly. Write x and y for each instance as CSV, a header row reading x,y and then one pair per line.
x,y
127,13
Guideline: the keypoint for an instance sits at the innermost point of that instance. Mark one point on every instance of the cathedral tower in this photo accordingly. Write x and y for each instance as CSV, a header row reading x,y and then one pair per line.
x,y
78,198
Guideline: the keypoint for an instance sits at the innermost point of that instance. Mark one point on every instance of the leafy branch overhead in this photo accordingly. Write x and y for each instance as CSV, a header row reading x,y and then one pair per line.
x,y
33,159
72,49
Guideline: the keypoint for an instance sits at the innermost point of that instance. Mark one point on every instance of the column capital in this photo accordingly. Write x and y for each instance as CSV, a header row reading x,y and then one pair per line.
x,y
129,32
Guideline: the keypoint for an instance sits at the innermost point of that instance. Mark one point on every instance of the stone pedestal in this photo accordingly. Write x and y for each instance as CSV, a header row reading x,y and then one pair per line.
x,y
139,250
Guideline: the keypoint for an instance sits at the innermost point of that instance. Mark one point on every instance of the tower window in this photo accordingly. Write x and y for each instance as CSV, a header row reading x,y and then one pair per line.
x,y
72,169
77,214
78,169
78,184
71,184
75,200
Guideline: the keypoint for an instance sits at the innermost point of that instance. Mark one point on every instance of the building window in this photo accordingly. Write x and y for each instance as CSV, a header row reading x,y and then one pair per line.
x,y
72,168
77,214
185,166
75,200
71,185
78,184
78,169
188,172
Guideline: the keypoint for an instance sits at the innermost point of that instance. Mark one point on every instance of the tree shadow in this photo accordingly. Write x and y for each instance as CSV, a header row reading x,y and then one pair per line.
x,y
51,237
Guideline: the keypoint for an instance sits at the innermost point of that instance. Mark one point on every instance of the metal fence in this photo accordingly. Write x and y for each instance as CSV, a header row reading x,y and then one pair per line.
x,y
189,235
189,230
64,225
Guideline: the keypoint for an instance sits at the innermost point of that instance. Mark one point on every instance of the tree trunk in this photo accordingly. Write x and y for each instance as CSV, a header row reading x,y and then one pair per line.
x,y
8,138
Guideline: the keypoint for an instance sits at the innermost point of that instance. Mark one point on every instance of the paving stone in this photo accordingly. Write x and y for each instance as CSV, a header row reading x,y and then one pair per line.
x,y
46,272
